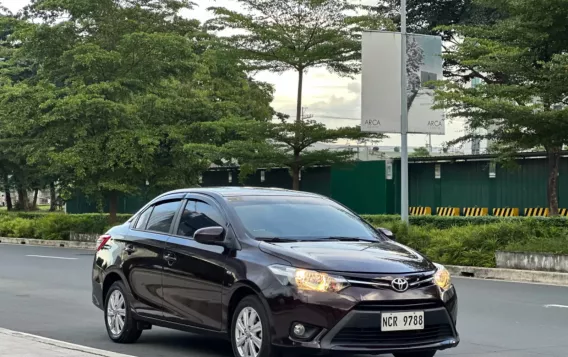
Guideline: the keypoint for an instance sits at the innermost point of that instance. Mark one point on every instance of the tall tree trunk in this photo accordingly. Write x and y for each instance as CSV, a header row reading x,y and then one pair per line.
x,y
299,98
552,191
7,194
34,203
296,166
23,202
113,207
296,177
52,197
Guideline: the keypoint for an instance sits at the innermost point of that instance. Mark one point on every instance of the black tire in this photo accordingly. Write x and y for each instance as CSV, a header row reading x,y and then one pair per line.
x,y
416,354
130,331
266,348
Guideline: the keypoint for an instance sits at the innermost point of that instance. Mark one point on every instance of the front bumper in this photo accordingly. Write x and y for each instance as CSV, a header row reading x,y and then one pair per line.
x,y
358,331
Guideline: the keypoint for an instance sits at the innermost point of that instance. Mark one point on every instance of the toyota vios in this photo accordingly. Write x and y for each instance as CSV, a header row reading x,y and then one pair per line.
x,y
272,270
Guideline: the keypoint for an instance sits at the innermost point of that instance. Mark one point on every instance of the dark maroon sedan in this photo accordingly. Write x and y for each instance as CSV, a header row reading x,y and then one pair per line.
x,y
272,270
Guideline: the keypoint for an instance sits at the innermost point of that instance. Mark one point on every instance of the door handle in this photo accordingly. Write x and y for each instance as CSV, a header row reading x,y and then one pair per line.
x,y
129,248
170,258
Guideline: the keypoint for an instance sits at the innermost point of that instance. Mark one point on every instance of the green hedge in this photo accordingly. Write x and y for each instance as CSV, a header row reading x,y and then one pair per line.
x,y
449,222
475,244
53,226
447,240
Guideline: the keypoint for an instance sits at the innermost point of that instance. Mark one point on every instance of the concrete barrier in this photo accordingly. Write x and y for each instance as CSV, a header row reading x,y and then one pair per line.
x,y
542,277
50,243
532,261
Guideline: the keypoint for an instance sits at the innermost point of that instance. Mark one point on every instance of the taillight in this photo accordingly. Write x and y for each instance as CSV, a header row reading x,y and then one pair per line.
x,y
102,241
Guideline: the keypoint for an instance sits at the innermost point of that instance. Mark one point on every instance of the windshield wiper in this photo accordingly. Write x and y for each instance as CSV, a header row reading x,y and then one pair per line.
x,y
275,239
346,239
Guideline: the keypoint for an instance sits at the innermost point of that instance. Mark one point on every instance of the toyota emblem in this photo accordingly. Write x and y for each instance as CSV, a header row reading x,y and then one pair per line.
x,y
400,285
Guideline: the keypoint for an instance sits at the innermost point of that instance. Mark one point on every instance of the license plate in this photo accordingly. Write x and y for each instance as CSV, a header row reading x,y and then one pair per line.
x,y
402,321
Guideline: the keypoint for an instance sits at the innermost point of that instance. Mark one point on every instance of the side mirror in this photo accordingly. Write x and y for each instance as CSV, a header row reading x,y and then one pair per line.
x,y
390,235
210,236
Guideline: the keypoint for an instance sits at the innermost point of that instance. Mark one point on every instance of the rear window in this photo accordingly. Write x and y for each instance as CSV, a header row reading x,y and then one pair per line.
x,y
143,220
162,216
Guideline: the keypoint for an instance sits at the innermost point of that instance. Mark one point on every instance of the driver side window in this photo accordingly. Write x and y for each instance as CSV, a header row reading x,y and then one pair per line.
x,y
197,215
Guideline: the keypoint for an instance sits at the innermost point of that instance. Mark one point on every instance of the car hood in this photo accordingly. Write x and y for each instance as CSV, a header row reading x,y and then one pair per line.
x,y
355,257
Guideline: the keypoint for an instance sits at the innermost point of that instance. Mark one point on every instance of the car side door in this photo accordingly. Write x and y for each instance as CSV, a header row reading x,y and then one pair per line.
x,y
194,275
143,255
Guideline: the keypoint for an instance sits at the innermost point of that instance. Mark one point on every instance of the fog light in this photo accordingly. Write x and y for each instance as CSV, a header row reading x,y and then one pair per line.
x,y
299,330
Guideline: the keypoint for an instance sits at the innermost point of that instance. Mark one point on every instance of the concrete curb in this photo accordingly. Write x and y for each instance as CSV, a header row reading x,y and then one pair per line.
x,y
529,276
68,347
50,243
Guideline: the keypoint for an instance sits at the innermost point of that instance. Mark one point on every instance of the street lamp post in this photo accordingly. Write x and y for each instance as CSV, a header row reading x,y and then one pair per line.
x,y
403,119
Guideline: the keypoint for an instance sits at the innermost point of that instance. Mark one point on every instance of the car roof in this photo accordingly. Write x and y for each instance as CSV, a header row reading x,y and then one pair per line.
x,y
232,191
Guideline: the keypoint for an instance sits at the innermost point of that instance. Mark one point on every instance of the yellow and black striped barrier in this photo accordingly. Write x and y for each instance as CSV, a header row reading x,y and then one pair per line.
x,y
506,212
475,211
420,211
563,212
448,211
536,212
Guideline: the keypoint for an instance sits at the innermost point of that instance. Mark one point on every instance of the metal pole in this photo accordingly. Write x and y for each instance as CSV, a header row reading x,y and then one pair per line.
x,y
403,119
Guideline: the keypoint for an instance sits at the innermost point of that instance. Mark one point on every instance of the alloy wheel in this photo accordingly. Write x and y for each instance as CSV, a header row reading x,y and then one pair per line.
x,y
248,333
116,312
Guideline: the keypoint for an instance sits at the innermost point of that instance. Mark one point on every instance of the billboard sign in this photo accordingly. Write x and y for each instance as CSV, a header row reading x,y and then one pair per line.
x,y
380,85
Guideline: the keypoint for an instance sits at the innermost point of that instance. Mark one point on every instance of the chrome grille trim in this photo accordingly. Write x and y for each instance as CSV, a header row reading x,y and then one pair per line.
x,y
414,280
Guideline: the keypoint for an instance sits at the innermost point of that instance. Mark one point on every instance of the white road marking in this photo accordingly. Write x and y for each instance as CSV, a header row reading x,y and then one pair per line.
x,y
558,306
49,257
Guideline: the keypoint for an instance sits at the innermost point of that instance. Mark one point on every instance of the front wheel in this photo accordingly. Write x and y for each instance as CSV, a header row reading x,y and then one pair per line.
x,y
416,354
250,331
120,325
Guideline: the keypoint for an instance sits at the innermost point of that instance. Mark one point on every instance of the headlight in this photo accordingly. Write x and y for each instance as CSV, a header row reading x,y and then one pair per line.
x,y
308,280
442,277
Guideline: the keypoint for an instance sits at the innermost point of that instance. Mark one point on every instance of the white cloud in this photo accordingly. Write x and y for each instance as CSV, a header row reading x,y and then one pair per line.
x,y
325,94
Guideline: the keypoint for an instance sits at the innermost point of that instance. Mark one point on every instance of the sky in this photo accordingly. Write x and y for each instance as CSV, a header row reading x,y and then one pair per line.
x,y
327,97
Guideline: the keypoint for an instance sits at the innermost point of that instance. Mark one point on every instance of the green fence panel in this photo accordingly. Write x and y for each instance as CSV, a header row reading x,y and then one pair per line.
x,y
563,183
361,187
464,185
468,184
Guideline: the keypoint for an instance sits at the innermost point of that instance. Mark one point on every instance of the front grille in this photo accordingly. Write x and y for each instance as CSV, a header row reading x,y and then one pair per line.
x,y
398,305
369,337
415,281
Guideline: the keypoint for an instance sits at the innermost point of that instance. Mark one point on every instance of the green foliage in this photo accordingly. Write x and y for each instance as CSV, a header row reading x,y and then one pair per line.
x,y
473,241
438,17
522,63
281,144
280,35
298,35
441,222
420,152
115,91
53,226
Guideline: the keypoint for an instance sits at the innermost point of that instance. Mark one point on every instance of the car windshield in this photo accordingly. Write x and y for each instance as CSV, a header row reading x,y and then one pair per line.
x,y
299,218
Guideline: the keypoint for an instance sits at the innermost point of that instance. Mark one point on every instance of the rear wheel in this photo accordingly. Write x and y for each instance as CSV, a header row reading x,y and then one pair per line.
x,y
250,331
120,325
416,354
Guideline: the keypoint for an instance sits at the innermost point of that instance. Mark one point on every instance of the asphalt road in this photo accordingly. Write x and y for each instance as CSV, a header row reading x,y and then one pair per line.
x,y
51,297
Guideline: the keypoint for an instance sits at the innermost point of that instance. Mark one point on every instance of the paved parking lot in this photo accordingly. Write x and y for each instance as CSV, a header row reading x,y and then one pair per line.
x,y
47,292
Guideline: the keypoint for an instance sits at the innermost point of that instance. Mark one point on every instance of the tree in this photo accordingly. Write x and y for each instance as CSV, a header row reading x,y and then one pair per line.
x,y
420,152
525,67
286,144
128,80
438,17
298,35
